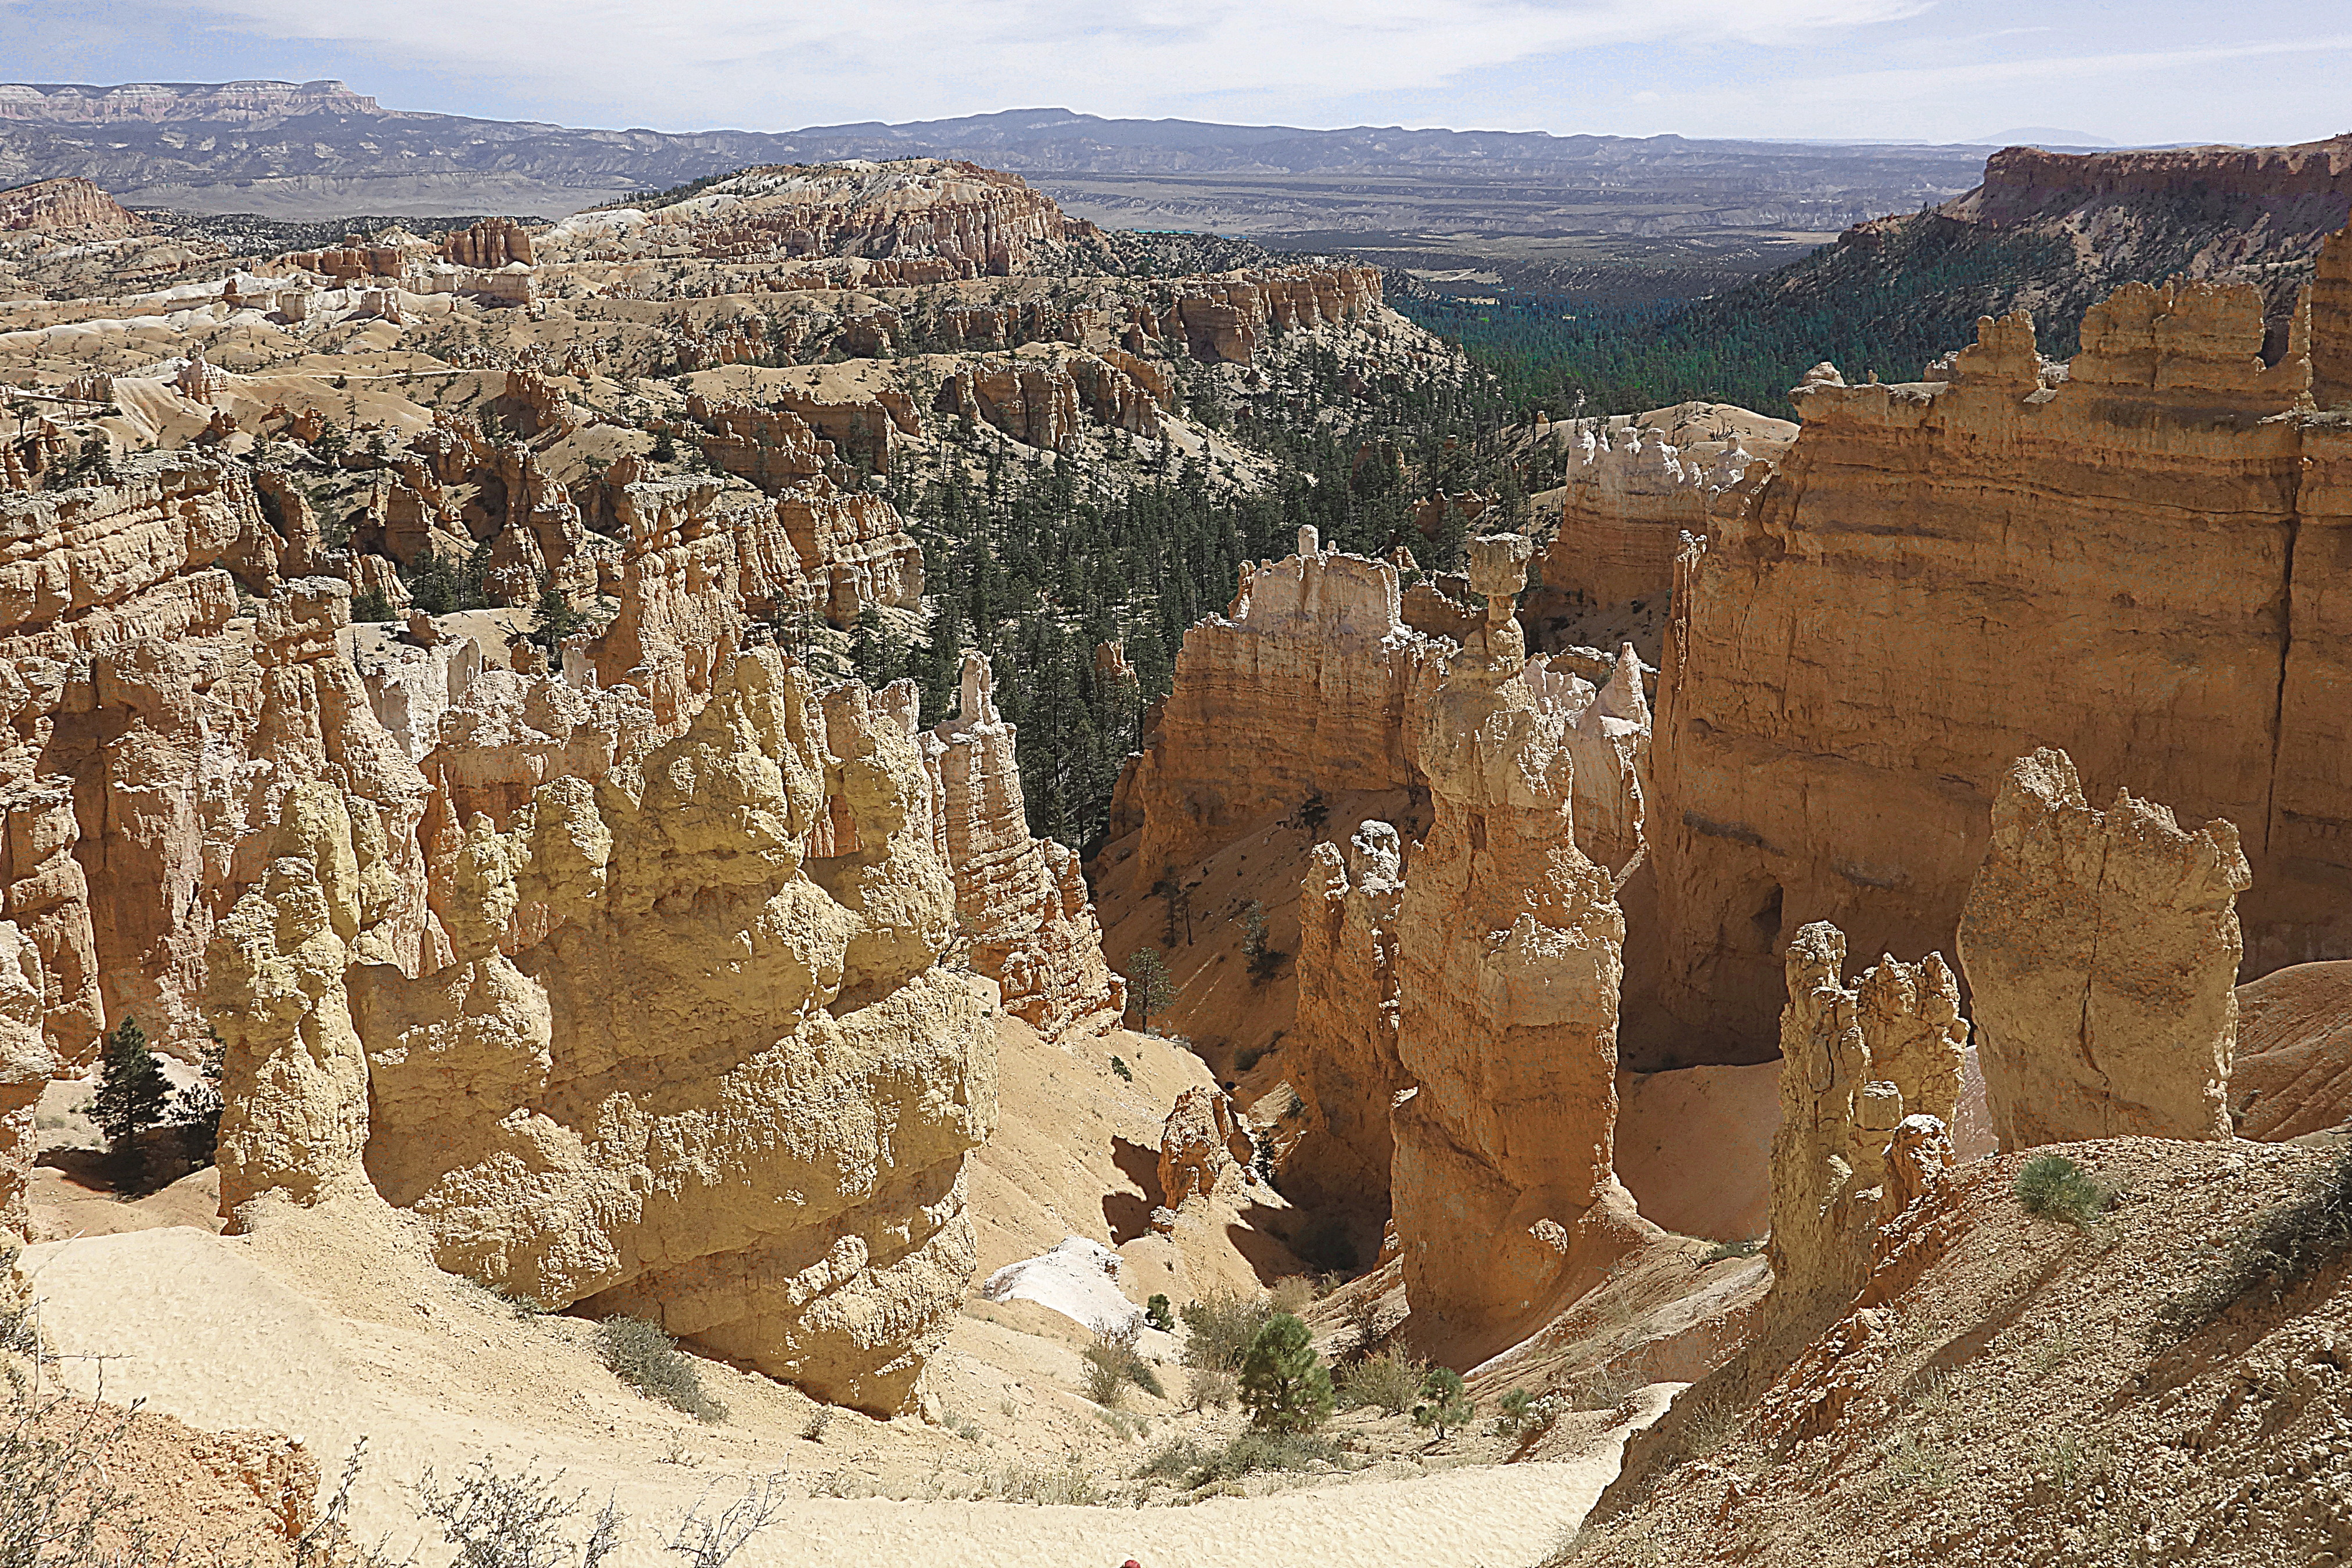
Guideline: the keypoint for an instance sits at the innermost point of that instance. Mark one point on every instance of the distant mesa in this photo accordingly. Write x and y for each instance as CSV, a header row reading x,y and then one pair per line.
x,y
2042,136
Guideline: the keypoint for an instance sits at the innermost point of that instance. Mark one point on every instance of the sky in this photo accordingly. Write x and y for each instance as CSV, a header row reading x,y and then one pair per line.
x,y
2145,72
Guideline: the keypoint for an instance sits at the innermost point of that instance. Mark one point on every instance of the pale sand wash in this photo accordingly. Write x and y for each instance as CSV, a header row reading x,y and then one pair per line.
x,y
210,1329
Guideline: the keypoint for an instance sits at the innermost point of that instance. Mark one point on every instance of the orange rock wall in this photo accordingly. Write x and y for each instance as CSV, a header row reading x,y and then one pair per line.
x,y
2139,565
1302,687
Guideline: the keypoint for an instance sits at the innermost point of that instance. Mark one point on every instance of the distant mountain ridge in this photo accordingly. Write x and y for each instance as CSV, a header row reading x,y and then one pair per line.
x,y
313,149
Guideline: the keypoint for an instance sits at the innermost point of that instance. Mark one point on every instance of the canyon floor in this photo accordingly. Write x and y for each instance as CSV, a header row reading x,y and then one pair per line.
x,y
333,1326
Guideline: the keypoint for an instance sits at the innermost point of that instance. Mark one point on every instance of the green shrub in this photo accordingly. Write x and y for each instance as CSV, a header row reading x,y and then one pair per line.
x,y
1113,1364
1157,1313
1285,1387
370,605
1191,1463
1445,1403
1722,1249
641,1355
2051,1186
2281,1249
1218,1329
1388,1380
1121,1068
1511,1411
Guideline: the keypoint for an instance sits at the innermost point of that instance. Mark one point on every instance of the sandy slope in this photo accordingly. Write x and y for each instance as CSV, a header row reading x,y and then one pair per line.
x,y
209,1329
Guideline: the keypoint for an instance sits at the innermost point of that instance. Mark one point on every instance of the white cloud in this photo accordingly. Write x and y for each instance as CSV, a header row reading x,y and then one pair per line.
x,y
778,64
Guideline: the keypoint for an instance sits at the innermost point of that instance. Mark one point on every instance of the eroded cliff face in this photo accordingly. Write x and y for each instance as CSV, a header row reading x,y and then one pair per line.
x,y
26,1063
1634,486
1021,903
156,735
2331,323
691,1055
1342,1046
1870,1074
1304,686
1226,318
963,220
2131,560
2102,951
635,994
1509,955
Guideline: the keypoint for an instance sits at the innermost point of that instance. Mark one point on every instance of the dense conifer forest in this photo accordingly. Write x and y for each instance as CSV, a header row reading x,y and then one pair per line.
x,y
1037,560
1887,307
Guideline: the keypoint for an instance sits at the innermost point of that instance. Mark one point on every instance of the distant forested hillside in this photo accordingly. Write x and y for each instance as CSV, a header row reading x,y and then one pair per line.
x,y
1889,296
1889,307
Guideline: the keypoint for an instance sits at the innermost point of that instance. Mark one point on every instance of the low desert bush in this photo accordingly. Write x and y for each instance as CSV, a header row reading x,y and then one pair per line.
x,y
1294,1293
1159,1313
1113,1364
59,1503
2051,1186
2281,1249
1211,1388
641,1355
1191,1463
711,1540
1526,1415
1391,1380
1218,1329
1069,1484
1722,1249
519,1520
1606,1388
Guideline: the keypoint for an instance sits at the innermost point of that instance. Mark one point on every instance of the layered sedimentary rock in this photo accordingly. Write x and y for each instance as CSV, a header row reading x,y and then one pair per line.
x,y
969,221
294,1079
1634,485
26,1063
2131,560
1509,946
1042,400
2101,949
70,206
752,1131
489,244
2292,1071
1342,1049
1303,687
842,548
152,743
2331,323
1869,1076
1021,902
1204,1152
1225,319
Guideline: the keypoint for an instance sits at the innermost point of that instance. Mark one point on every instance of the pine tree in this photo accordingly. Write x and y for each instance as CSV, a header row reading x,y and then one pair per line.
x,y
1155,987
133,1092
1445,1403
1285,1387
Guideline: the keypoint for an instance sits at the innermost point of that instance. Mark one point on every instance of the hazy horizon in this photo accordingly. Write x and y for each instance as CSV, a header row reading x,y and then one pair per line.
x,y
1928,71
